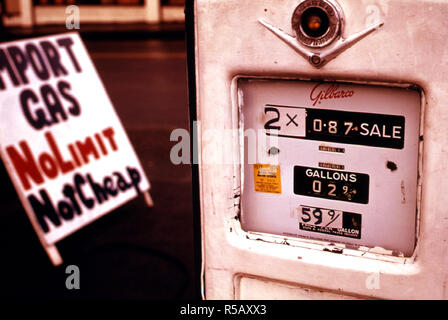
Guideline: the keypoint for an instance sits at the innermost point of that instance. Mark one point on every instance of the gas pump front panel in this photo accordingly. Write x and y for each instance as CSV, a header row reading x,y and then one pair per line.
x,y
331,161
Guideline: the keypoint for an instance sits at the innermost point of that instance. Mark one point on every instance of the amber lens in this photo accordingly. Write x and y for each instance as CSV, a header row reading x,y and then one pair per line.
x,y
314,22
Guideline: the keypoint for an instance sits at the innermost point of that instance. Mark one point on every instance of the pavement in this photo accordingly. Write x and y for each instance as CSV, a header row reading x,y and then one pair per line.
x,y
135,252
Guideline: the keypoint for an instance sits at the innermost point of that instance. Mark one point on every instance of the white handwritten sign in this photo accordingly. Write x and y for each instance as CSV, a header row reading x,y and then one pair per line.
x,y
62,142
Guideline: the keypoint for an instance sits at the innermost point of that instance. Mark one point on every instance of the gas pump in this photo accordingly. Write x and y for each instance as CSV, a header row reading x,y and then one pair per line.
x,y
321,148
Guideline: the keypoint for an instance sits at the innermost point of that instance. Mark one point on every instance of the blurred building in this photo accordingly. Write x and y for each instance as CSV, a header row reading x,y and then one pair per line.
x,y
28,13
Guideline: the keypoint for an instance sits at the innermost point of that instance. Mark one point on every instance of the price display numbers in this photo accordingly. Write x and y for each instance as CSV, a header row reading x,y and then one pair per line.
x,y
331,184
369,129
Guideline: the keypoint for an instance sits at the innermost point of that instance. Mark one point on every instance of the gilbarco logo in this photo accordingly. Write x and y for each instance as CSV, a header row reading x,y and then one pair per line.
x,y
331,92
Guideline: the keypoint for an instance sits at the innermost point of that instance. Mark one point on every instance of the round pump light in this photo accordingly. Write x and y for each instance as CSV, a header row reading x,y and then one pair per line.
x,y
317,23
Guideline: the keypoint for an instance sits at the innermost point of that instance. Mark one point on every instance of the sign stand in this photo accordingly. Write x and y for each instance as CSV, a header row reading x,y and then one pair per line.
x,y
54,255
148,199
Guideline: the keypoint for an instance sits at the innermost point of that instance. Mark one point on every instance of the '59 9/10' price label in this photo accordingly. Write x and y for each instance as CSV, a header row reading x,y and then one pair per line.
x,y
328,221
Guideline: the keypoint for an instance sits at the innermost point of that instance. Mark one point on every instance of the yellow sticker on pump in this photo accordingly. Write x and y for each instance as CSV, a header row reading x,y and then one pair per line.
x,y
267,178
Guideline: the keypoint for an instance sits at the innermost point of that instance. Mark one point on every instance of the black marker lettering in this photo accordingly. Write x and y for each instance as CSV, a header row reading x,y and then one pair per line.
x,y
67,43
4,63
44,210
53,103
64,88
20,62
37,62
38,121
54,59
